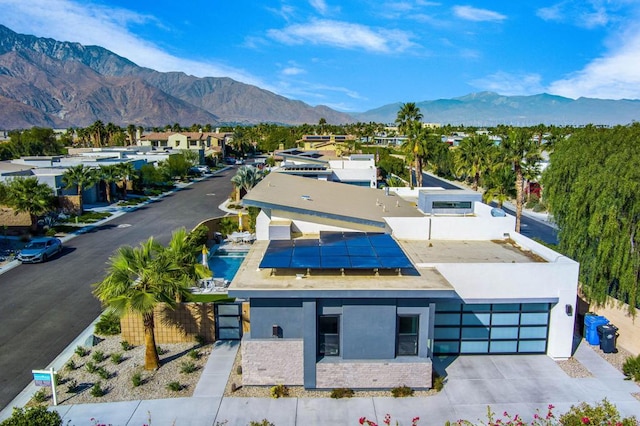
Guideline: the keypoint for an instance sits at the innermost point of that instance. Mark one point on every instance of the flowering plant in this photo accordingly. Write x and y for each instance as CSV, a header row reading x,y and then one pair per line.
x,y
387,421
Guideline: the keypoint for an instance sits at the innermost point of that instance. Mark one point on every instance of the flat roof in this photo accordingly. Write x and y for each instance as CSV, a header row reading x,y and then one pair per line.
x,y
281,191
251,278
449,251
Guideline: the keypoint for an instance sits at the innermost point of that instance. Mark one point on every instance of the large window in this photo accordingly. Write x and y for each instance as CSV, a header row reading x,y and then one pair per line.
x,y
407,343
451,205
329,335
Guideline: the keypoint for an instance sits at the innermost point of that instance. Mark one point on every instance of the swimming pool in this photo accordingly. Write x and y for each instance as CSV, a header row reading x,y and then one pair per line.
x,y
225,264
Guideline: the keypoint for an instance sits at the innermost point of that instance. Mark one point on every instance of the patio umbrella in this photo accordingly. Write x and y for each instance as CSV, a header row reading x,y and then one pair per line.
x,y
205,255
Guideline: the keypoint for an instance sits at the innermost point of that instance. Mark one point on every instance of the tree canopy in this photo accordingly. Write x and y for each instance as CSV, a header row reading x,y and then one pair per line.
x,y
592,186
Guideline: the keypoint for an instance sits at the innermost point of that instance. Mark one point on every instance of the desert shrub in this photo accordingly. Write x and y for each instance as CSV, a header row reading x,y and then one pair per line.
x,y
175,386
51,232
91,367
117,358
126,346
97,391
81,351
194,354
602,413
38,415
263,422
108,324
70,365
40,396
401,391
279,391
631,368
438,382
200,340
98,356
103,373
136,379
239,369
187,367
342,393
72,386
161,351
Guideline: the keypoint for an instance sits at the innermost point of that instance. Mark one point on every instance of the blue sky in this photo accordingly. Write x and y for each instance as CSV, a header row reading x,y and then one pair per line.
x,y
355,55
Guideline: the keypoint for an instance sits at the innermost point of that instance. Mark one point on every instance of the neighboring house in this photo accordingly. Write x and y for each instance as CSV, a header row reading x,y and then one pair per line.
x,y
208,143
326,142
356,287
355,169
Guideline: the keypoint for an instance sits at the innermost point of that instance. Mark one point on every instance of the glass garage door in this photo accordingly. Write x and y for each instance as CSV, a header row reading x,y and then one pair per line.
x,y
506,328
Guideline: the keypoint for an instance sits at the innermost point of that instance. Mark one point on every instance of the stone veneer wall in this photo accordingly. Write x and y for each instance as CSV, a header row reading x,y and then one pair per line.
x,y
272,362
179,325
373,374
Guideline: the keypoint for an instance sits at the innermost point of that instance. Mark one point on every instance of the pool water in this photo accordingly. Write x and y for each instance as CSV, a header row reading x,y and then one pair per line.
x,y
225,265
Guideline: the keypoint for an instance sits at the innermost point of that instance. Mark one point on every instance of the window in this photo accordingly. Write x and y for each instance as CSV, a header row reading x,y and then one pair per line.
x,y
451,205
329,335
407,335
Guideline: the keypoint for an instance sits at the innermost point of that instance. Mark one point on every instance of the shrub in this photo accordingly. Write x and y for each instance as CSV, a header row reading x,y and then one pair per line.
x,y
187,367
631,368
200,340
342,393
438,382
103,373
98,356
279,391
401,391
194,354
97,391
136,379
70,365
161,351
108,325
126,346
175,386
81,351
263,422
40,396
33,416
91,367
72,386
117,358
51,232
239,369
603,413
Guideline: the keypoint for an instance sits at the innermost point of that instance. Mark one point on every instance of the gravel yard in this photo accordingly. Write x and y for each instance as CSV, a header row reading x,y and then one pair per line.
x,y
119,385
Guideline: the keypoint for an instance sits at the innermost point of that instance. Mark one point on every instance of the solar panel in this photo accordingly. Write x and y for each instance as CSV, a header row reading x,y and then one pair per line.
x,y
337,250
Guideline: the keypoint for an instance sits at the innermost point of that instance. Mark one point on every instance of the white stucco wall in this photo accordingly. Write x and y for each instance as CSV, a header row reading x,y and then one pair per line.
x,y
409,228
522,282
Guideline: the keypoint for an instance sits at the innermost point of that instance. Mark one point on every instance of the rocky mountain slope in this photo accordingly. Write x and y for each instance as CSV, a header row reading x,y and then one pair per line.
x,y
44,82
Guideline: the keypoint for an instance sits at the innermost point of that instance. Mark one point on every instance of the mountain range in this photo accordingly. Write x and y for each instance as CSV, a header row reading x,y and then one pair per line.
x,y
49,83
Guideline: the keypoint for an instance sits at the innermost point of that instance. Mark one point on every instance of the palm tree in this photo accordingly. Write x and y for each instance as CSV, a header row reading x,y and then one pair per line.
x,y
26,195
185,255
473,158
131,134
409,124
110,174
138,280
81,177
500,185
127,170
97,130
246,178
519,150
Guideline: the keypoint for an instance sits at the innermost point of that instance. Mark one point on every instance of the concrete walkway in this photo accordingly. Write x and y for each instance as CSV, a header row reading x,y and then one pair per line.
x,y
518,384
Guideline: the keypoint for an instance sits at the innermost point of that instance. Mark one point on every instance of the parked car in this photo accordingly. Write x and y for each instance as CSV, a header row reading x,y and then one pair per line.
x,y
39,250
239,161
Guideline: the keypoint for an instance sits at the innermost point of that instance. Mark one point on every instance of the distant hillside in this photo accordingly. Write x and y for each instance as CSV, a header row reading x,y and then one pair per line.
x,y
489,109
44,82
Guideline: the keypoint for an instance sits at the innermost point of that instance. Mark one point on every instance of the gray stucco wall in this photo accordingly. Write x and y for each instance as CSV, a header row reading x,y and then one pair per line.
x,y
369,329
285,313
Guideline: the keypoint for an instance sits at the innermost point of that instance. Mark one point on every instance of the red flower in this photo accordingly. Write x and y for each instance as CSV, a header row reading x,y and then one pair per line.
x,y
362,420
414,421
585,420
387,419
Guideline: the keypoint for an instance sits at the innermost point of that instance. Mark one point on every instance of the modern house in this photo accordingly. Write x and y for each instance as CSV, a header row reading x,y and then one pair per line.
x,y
356,287
354,169
209,143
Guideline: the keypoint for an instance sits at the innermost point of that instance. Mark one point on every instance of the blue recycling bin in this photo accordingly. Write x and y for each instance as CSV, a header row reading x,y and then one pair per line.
x,y
591,323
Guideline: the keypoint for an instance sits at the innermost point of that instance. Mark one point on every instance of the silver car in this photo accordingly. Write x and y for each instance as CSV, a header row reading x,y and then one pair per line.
x,y
39,250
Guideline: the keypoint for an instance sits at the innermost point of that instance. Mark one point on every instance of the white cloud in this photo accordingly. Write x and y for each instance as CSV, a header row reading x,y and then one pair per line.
x,y
293,71
92,24
612,76
471,13
586,14
320,6
510,84
344,35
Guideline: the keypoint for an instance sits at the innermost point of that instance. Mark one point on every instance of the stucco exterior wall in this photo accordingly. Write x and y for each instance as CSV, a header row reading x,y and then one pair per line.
x,y
373,374
270,362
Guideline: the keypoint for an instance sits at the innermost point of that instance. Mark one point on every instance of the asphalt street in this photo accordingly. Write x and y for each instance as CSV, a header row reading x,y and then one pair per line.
x,y
44,307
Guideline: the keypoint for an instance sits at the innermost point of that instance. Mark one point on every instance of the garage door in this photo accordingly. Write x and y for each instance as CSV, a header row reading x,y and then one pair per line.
x,y
506,328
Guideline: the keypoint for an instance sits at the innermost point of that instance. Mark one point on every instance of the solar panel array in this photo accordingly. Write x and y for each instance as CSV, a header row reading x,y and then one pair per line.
x,y
337,250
